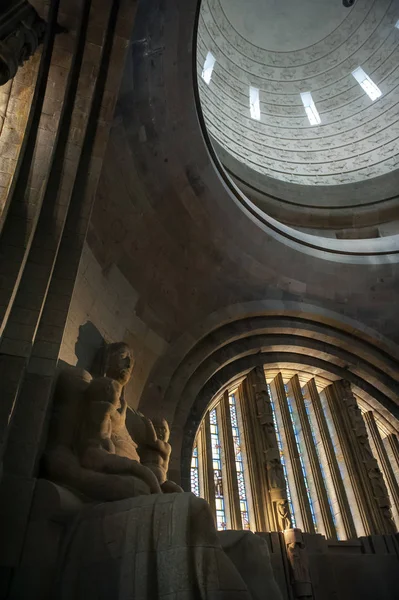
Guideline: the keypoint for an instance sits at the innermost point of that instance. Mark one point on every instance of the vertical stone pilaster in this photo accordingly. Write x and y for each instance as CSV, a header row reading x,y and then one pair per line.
x,y
393,442
382,498
205,453
342,498
294,456
366,478
276,483
232,498
263,515
314,461
41,269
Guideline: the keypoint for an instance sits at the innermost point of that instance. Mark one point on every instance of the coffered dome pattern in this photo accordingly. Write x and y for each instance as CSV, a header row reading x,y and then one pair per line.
x,y
357,138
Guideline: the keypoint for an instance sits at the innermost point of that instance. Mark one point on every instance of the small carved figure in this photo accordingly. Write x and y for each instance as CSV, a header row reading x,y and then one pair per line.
x,y
299,564
283,515
155,452
275,473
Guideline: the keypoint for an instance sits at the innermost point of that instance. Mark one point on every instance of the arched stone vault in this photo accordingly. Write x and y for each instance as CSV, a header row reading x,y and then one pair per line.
x,y
205,277
229,351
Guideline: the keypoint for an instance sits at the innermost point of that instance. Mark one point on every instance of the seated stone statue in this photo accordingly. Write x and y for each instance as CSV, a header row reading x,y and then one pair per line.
x,y
90,449
104,415
135,540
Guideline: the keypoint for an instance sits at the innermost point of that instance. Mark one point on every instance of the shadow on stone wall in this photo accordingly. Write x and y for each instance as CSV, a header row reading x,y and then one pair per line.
x,y
89,342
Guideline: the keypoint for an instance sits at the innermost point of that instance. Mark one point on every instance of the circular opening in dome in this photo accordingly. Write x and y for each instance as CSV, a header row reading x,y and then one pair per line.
x,y
300,101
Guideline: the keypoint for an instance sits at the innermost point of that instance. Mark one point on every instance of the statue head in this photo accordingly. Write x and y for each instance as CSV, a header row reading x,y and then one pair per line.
x,y
162,430
119,362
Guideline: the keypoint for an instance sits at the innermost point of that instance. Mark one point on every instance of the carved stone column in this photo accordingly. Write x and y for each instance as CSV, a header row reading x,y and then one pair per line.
x,y
21,32
255,457
314,462
275,474
232,498
387,470
294,456
339,488
205,463
366,477
299,564
393,442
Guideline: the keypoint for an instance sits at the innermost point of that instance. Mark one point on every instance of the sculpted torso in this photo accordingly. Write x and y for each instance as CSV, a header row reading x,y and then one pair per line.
x,y
102,453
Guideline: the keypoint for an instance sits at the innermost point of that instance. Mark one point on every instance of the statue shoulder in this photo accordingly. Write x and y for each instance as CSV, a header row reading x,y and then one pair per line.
x,y
68,405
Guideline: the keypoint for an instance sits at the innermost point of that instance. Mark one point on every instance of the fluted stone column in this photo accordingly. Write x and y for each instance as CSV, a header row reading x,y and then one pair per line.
x,y
339,487
232,498
393,442
262,507
294,456
366,477
275,474
205,463
319,483
384,461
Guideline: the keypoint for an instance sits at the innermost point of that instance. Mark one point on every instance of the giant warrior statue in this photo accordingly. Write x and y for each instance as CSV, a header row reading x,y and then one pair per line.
x,y
138,535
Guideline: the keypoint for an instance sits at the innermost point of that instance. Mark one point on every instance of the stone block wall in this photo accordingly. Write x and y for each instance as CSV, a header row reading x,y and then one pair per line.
x,y
103,308
15,102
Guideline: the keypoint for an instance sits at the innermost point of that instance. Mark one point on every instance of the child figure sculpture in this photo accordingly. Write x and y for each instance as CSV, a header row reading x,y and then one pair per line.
x,y
99,443
155,452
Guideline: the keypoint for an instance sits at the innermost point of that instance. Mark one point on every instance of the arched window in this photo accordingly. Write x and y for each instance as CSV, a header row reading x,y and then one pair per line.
x,y
289,450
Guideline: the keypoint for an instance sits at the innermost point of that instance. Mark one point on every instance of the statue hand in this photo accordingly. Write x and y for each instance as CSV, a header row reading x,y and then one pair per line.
x,y
170,487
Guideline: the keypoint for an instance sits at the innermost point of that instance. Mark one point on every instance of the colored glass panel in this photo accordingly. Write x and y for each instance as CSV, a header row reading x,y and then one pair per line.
x,y
239,463
217,471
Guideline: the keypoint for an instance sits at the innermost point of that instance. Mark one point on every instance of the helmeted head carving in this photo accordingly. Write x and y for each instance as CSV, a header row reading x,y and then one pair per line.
x,y
119,362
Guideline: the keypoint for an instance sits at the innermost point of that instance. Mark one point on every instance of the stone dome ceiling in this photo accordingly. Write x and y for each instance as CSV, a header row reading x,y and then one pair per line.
x,y
284,49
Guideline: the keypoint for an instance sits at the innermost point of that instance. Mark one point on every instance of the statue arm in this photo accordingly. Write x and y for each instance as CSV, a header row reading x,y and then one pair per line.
x,y
152,437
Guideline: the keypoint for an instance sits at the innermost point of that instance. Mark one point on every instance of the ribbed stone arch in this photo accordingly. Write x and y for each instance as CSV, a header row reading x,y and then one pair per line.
x,y
184,432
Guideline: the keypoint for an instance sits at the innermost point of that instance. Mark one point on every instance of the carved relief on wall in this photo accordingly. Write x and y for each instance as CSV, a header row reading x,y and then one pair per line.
x,y
373,471
299,564
275,473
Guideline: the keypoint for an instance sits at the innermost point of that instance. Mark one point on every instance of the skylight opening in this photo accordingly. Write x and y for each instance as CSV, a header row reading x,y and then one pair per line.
x,y
254,103
310,108
208,68
371,89
397,24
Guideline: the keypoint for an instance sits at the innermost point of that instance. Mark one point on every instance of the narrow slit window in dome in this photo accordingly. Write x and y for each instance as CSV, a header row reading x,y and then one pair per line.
x,y
254,103
209,65
310,108
371,89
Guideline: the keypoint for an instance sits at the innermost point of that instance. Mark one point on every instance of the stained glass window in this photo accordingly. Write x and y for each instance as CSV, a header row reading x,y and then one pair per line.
x,y
307,442
221,521
195,487
239,463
